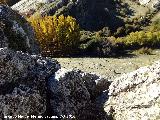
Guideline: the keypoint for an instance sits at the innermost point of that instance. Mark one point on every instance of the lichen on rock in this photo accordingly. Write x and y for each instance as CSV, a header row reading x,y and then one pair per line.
x,y
73,92
136,95
17,33
23,80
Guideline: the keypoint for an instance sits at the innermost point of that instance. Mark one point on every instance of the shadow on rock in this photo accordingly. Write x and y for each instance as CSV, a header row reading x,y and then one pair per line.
x,y
79,94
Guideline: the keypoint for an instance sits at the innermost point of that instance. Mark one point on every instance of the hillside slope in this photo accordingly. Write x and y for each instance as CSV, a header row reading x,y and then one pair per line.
x,y
90,14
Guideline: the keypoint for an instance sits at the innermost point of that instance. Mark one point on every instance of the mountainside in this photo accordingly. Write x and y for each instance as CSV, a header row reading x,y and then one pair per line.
x,y
91,15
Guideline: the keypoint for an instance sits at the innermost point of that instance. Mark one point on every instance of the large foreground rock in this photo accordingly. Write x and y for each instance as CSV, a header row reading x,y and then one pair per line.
x,y
74,92
23,80
15,32
136,95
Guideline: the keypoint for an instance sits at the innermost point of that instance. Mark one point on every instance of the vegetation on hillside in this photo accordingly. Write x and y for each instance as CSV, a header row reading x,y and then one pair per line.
x,y
142,38
61,36
146,38
96,44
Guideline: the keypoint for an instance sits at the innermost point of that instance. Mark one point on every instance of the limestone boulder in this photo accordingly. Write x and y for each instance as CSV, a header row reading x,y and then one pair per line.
x,y
136,95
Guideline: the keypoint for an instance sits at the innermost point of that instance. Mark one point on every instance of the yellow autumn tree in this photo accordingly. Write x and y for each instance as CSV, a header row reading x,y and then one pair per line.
x,y
59,35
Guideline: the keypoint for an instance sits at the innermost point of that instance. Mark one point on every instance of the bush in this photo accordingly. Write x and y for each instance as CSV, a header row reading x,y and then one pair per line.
x,y
98,46
57,35
144,50
140,39
86,36
155,26
120,31
133,25
105,32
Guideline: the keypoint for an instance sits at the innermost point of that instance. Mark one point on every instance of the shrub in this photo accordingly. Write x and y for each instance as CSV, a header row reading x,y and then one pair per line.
x,y
105,32
144,50
155,26
58,35
133,25
142,38
120,31
86,36
98,46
